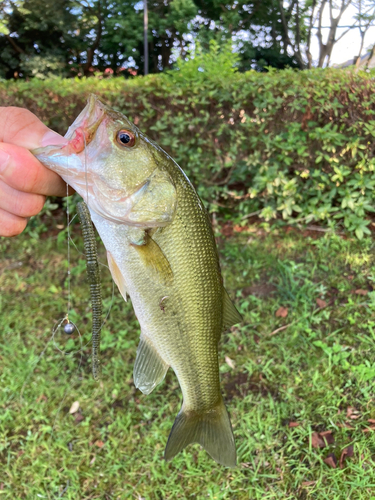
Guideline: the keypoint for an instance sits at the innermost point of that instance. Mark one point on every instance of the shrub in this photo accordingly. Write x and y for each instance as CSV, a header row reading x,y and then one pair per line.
x,y
284,144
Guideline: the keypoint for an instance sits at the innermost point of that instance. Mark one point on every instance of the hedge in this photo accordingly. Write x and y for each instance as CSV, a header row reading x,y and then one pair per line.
x,y
297,145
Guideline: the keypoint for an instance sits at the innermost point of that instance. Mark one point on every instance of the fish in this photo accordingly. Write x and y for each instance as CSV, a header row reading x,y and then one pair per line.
x,y
161,253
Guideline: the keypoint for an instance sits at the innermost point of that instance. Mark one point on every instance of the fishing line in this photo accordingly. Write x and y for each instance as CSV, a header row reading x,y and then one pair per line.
x,y
55,329
71,241
68,241
87,184
66,317
58,326
71,386
61,324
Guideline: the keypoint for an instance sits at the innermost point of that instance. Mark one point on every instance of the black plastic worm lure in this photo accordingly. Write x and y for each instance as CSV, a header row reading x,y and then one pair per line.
x,y
93,277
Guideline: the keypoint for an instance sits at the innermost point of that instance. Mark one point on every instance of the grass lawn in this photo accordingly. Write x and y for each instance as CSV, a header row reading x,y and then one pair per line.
x,y
297,377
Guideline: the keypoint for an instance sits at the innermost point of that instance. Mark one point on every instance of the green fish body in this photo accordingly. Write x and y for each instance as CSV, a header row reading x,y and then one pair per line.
x,y
162,253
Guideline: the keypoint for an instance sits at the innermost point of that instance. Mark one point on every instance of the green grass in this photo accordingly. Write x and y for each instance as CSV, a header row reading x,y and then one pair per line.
x,y
309,372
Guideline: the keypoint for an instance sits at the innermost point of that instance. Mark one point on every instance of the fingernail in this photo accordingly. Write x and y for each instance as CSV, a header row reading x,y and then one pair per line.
x,y
4,160
51,138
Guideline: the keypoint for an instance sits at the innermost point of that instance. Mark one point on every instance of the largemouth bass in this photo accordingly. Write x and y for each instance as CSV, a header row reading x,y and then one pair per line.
x,y
162,253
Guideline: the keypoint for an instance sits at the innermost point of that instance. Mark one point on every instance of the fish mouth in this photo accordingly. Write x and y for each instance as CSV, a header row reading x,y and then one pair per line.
x,y
83,129
69,160
79,134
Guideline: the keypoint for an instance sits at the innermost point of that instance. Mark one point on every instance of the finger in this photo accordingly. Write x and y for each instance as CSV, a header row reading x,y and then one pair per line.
x,y
19,203
10,224
20,126
33,179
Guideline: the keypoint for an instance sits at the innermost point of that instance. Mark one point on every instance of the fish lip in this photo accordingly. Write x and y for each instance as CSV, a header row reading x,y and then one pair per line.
x,y
83,129
80,133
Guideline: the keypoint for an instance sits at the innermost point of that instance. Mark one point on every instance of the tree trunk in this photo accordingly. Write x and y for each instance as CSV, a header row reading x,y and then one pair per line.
x,y
16,47
308,51
91,50
298,39
285,35
372,54
358,60
165,55
325,49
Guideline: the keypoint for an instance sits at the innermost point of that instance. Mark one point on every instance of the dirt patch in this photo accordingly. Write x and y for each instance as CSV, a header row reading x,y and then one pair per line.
x,y
242,384
228,229
259,290
119,403
10,265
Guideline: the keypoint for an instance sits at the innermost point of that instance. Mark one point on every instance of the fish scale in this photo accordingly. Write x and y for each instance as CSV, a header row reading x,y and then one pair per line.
x,y
162,253
197,283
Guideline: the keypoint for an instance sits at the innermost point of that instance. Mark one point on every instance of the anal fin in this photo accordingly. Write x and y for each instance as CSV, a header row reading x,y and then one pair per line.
x,y
149,367
230,314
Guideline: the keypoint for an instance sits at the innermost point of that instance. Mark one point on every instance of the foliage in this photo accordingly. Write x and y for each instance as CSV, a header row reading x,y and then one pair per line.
x,y
76,37
281,386
263,31
80,37
296,146
37,40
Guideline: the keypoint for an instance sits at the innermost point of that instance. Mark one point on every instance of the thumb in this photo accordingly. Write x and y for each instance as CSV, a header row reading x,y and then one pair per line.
x,y
20,127
21,130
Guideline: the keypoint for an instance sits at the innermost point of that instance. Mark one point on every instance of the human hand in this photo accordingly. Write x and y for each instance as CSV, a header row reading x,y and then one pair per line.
x,y
24,181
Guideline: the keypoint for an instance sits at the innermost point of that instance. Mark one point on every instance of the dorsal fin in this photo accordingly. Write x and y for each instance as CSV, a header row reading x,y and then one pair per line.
x,y
230,314
149,367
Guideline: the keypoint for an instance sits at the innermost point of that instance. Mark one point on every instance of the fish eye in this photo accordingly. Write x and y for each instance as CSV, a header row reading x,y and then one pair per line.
x,y
125,138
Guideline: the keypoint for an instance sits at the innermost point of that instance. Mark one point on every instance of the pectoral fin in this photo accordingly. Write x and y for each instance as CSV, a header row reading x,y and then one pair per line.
x,y
230,314
154,261
117,276
149,367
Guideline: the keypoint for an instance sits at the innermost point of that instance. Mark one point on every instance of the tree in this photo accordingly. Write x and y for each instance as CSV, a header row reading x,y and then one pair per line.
x,y
168,24
325,48
90,19
365,18
78,36
33,36
266,32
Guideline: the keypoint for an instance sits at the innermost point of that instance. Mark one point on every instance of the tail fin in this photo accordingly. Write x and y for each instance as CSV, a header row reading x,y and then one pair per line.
x,y
211,429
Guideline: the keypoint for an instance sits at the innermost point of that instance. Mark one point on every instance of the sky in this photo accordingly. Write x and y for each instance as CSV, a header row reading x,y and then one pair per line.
x,y
348,47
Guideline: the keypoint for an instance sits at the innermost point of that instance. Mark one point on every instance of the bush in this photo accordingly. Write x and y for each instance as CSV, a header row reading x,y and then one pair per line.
x,y
284,144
